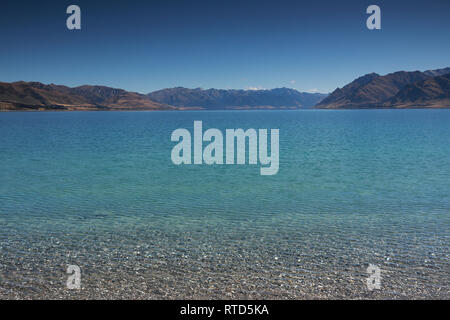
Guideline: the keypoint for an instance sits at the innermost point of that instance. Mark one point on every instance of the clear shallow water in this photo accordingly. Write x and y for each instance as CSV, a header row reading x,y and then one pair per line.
x,y
99,190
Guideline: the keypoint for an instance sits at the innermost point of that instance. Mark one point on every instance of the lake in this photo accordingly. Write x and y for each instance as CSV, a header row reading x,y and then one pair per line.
x,y
99,190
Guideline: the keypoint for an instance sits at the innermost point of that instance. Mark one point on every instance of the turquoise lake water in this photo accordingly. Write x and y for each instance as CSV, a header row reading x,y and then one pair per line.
x,y
99,190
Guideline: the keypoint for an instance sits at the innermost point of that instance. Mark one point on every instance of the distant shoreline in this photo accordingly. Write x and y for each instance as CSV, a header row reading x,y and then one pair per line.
x,y
231,109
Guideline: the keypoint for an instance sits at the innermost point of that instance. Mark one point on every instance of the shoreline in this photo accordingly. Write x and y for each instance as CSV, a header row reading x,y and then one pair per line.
x,y
240,109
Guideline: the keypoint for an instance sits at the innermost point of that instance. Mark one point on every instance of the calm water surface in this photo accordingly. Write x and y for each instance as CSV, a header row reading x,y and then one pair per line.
x,y
99,190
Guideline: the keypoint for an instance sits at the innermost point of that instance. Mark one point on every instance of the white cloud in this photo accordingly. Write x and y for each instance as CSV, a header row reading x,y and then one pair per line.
x,y
254,88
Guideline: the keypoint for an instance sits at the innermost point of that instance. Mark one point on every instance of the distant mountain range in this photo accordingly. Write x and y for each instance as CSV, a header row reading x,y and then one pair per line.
x,y
429,89
280,98
37,96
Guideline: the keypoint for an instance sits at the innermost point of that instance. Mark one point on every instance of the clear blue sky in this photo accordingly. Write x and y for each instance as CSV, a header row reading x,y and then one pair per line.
x,y
148,45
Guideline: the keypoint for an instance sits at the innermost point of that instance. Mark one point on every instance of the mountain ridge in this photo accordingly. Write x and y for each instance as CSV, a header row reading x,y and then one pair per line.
x,y
376,91
23,95
433,91
278,98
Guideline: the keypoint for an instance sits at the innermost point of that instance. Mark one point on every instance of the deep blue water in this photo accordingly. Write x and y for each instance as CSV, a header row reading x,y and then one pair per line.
x,y
98,189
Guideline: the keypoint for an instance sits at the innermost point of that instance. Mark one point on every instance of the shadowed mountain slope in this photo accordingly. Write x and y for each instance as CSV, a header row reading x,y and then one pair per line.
x,y
375,91
433,92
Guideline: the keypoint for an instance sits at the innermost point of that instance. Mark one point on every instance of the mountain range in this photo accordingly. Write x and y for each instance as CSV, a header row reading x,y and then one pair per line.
x,y
37,96
400,89
280,98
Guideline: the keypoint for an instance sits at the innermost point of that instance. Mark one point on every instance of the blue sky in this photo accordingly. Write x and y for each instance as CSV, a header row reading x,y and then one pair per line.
x,y
148,45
